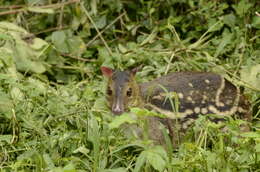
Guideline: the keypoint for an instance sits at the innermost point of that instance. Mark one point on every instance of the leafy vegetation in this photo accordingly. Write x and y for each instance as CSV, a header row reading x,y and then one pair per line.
x,y
53,111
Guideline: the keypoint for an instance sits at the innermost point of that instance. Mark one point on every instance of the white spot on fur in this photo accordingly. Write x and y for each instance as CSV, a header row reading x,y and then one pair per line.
x,y
204,110
180,95
189,98
207,81
197,110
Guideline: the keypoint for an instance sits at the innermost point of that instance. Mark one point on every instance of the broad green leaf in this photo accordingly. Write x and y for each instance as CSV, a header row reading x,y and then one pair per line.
x,y
122,48
39,86
5,36
140,161
256,22
156,157
17,94
100,105
119,120
59,40
242,7
6,104
7,138
48,160
251,75
150,38
257,147
230,20
26,50
101,21
6,26
226,39
83,150
76,45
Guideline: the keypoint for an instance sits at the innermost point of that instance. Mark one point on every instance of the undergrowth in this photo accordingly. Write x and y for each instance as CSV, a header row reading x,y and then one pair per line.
x,y
53,113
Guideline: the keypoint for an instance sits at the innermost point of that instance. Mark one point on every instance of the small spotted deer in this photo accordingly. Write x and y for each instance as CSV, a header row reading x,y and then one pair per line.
x,y
197,93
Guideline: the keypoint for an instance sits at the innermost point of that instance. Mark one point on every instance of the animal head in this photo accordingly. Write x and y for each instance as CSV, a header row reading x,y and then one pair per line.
x,y
122,90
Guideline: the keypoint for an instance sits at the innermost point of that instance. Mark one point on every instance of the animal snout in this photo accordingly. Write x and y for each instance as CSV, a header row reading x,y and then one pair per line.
x,y
117,110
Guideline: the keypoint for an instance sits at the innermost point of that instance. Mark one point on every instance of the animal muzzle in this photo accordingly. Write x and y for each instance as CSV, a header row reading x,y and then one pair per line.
x,y
117,108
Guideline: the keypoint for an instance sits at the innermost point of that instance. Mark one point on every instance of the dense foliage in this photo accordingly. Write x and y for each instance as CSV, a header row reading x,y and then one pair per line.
x,y
53,114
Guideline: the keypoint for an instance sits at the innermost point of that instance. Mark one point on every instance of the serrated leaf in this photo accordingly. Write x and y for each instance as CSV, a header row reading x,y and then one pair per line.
x,y
140,162
157,158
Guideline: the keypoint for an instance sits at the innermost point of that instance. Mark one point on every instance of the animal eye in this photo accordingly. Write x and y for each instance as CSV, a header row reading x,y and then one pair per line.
x,y
109,92
129,92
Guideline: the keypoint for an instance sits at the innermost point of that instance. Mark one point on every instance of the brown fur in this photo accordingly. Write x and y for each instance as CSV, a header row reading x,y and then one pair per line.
x,y
197,92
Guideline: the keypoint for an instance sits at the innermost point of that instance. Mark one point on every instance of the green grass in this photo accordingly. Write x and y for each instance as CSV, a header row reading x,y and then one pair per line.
x,y
53,114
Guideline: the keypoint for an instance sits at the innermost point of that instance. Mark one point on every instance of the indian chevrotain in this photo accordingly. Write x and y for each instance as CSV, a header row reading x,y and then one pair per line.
x,y
197,93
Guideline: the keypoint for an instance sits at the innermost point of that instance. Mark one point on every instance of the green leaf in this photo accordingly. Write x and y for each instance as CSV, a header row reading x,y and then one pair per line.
x,y
156,157
83,150
251,75
16,94
119,120
242,7
48,160
230,20
140,161
256,22
59,40
27,50
257,147
251,134
226,39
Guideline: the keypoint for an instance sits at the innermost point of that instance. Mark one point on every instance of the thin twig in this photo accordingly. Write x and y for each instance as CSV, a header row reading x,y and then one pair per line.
x,y
99,34
78,58
57,5
11,7
61,17
51,29
11,12
108,26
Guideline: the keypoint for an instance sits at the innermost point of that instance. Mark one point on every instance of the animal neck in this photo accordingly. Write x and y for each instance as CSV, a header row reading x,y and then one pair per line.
x,y
137,100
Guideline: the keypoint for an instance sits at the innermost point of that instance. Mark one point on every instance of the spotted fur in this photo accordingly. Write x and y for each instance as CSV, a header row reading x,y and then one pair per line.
x,y
181,96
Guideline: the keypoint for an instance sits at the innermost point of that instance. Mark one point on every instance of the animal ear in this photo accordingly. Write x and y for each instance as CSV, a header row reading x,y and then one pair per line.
x,y
136,69
106,71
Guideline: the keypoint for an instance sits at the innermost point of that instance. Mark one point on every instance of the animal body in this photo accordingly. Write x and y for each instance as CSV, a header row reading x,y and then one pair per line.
x,y
196,93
